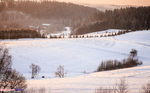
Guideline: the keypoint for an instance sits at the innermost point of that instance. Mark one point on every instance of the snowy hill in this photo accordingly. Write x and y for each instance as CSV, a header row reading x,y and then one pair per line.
x,y
80,58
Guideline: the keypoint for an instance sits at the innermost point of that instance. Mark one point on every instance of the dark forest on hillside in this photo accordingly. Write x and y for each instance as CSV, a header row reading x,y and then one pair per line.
x,y
47,9
127,18
22,13
19,33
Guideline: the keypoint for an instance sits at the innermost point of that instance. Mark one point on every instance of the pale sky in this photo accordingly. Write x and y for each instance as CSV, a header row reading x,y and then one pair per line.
x,y
115,2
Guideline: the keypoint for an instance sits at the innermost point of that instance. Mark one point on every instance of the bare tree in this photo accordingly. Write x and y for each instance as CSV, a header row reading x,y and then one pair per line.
x,y
60,72
35,70
122,87
17,80
5,61
32,66
133,53
146,88
9,78
5,67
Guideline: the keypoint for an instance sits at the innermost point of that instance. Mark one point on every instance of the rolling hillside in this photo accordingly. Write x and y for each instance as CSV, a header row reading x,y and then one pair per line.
x,y
80,58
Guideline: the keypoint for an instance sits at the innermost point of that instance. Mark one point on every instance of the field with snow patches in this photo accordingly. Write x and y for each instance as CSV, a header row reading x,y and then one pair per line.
x,y
80,58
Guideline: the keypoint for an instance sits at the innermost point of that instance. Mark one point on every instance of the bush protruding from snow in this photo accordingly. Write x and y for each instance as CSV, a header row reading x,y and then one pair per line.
x,y
146,88
121,87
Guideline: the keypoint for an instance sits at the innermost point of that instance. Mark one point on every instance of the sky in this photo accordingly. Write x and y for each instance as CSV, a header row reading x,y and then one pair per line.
x,y
115,2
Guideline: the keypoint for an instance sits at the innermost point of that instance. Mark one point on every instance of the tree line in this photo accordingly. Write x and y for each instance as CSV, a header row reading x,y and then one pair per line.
x,y
19,33
106,34
125,63
130,18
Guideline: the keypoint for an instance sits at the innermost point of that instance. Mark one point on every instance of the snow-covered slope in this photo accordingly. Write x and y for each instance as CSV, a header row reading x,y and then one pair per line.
x,y
79,57
136,77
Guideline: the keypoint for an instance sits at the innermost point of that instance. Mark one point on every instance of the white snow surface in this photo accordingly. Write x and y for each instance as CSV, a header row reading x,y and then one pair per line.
x,y
44,24
65,33
80,58
105,32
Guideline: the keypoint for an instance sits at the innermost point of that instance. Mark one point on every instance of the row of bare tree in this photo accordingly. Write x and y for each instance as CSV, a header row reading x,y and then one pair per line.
x,y
122,87
36,69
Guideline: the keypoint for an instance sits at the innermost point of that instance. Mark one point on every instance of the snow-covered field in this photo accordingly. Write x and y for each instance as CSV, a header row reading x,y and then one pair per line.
x,y
80,58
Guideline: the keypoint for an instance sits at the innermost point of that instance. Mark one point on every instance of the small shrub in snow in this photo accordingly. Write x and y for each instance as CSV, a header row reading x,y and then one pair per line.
x,y
74,36
105,36
59,36
121,87
50,36
54,36
63,36
146,88
109,35
77,36
104,90
43,76
119,32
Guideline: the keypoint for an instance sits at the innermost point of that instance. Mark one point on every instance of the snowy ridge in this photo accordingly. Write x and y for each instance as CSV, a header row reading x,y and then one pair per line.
x,y
104,7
